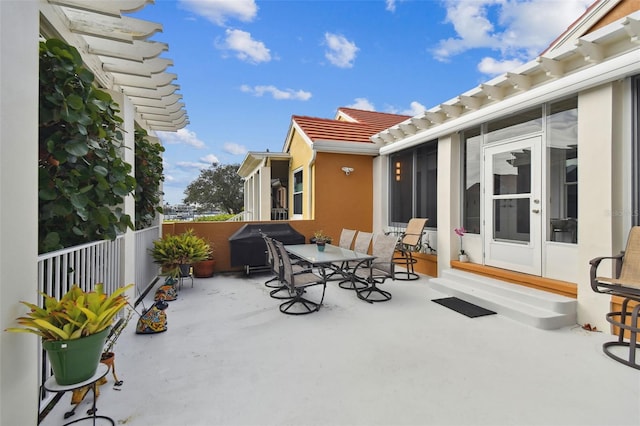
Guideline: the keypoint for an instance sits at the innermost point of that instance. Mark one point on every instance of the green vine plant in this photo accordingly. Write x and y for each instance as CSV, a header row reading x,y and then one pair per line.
x,y
149,176
83,179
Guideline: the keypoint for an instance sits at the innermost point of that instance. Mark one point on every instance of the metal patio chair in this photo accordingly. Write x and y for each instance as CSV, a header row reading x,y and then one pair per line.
x,y
625,284
377,272
346,238
410,241
297,284
361,245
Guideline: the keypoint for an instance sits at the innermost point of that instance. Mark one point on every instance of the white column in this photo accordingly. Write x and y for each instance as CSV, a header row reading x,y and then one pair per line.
x,y
595,190
265,193
19,21
448,199
127,113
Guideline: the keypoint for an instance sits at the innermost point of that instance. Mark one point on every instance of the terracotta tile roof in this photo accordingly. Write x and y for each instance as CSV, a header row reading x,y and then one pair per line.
x,y
376,120
367,123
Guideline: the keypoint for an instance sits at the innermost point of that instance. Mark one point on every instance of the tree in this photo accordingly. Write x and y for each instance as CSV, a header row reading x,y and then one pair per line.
x,y
219,186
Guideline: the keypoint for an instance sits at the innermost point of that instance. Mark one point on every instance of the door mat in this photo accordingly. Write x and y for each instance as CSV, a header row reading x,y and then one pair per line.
x,y
465,308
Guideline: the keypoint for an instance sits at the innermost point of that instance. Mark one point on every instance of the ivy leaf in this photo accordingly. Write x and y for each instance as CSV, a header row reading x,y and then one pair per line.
x,y
74,101
78,149
48,194
102,171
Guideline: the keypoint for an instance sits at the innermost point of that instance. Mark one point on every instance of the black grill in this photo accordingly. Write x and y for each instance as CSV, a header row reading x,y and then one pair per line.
x,y
248,249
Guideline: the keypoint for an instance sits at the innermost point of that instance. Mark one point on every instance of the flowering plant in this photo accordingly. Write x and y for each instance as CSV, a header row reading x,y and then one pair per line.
x,y
460,233
321,237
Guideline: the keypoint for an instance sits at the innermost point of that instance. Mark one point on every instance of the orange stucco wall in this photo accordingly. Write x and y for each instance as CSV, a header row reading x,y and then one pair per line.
x,y
343,201
219,232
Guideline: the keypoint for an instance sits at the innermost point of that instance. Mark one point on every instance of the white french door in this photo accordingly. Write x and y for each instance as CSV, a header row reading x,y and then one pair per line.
x,y
512,206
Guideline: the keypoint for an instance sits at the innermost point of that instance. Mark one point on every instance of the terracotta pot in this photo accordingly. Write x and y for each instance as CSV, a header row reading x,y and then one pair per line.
x,y
204,269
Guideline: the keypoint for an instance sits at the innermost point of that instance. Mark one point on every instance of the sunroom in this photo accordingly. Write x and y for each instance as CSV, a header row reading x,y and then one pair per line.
x,y
539,165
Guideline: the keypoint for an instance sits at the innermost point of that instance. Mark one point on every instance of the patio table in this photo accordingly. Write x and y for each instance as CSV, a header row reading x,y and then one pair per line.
x,y
333,257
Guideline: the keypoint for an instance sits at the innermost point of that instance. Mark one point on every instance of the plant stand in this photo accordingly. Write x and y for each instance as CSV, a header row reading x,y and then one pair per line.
x,y
53,386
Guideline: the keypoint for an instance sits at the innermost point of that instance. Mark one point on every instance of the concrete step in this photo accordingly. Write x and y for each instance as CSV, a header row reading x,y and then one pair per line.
x,y
530,306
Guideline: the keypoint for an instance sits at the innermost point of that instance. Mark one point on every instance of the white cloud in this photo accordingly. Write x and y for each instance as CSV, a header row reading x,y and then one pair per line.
x,y
415,108
169,178
193,165
218,11
362,103
491,66
247,49
522,29
278,94
210,159
341,52
391,4
182,136
234,148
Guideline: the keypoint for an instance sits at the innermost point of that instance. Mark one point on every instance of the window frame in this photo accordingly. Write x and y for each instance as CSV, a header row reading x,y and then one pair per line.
x,y
295,193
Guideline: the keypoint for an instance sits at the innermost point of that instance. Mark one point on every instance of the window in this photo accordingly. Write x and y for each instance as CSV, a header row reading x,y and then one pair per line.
x,y
562,171
519,124
297,192
472,145
414,184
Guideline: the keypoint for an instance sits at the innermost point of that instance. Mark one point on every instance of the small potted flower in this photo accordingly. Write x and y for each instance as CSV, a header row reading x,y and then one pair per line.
x,y
462,256
321,239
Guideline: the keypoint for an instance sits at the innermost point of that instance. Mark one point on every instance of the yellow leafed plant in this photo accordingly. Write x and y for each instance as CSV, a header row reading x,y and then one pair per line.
x,y
77,314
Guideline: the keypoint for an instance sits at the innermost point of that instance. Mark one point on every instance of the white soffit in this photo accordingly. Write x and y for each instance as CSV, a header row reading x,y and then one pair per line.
x,y
609,53
115,48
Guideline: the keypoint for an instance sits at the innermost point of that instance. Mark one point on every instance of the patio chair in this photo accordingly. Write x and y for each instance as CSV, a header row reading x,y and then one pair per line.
x,y
625,284
274,264
361,245
280,291
297,283
346,238
377,272
410,241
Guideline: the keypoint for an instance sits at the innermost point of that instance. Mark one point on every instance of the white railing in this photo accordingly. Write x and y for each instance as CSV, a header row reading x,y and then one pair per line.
x,y
241,217
85,265
146,270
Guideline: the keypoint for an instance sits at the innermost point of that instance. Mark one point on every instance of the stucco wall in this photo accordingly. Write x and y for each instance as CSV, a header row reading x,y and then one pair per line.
x,y
343,201
219,232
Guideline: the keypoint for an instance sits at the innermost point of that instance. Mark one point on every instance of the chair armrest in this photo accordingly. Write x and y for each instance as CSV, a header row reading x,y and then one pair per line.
x,y
595,263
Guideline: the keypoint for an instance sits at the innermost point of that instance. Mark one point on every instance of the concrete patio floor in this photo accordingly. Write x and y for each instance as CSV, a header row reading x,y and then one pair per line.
x,y
229,357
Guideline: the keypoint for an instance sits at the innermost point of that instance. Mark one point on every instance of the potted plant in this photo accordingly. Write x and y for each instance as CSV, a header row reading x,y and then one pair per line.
x,y
73,329
205,268
462,256
176,253
321,239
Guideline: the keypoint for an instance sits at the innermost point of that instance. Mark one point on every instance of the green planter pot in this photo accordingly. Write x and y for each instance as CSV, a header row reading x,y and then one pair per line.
x,y
74,361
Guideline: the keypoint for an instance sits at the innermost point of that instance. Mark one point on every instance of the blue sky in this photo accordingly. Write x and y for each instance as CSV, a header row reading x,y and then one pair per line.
x,y
245,67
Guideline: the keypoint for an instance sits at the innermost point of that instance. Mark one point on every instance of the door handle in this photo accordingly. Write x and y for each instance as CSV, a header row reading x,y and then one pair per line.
x,y
535,211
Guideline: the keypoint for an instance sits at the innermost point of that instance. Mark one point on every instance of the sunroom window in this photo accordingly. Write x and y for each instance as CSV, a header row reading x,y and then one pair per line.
x,y
413,184
562,171
472,143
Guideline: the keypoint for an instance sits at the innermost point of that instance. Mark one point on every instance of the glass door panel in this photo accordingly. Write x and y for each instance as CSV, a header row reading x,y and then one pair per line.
x,y
512,208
